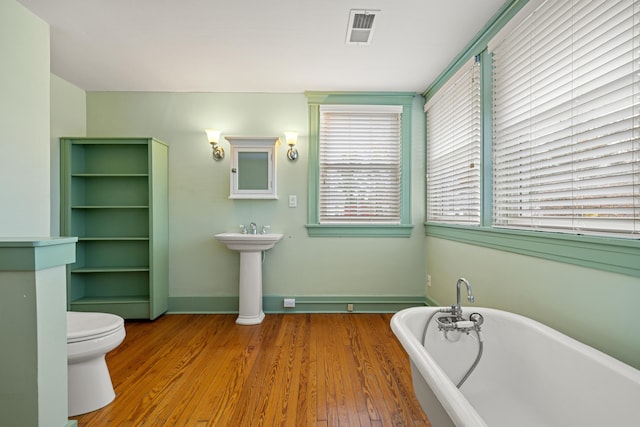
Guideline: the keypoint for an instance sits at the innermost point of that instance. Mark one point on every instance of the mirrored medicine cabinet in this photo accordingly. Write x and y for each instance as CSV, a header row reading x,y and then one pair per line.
x,y
253,167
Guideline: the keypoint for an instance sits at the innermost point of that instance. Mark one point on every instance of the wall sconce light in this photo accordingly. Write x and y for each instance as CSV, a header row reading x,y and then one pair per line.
x,y
213,135
291,137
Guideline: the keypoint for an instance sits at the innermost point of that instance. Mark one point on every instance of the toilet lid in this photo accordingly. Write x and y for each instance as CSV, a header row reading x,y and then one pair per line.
x,y
86,326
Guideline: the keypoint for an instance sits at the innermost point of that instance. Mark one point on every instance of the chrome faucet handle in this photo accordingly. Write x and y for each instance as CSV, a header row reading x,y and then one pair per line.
x,y
456,311
243,229
265,229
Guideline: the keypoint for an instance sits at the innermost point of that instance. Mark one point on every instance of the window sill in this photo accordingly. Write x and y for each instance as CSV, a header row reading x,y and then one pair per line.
x,y
359,230
602,253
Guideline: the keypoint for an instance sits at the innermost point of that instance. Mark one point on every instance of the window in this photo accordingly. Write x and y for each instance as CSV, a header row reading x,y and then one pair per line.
x,y
559,137
453,149
566,122
359,165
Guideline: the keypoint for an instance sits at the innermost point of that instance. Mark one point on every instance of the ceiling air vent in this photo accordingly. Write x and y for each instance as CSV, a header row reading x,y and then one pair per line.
x,y
360,30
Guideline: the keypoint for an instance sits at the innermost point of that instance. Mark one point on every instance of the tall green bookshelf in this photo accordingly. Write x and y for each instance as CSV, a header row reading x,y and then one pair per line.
x,y
114,198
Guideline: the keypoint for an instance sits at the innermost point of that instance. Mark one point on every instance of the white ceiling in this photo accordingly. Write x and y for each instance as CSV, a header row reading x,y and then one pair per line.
x,y
255,45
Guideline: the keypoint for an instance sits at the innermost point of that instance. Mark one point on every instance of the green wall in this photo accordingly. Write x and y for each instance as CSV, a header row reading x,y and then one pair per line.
x,y
202,271
68,118
592,306
24,122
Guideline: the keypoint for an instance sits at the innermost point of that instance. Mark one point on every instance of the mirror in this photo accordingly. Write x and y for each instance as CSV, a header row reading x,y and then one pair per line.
x,y
253,170
253,167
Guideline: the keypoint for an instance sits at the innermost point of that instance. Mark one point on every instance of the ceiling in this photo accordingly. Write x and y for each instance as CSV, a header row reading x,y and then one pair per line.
x,y
255,45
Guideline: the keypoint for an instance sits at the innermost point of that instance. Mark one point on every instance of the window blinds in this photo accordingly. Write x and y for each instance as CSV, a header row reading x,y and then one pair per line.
x,y
453,149
566,148
360,163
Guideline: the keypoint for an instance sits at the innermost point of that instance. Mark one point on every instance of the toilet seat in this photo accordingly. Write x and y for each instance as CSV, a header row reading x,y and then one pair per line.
x,y
89,326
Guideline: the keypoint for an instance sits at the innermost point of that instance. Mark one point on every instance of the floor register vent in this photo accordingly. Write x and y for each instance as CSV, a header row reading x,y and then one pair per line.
x,y
360,30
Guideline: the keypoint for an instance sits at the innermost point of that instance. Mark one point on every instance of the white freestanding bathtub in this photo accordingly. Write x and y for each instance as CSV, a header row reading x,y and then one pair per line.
x,y
528,374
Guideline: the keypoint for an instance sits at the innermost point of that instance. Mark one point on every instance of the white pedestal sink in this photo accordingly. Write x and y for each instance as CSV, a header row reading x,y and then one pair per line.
x,y
250,247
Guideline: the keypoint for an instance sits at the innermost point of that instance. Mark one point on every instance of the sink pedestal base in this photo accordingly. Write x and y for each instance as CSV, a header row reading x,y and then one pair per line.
x,y
251,247
250,304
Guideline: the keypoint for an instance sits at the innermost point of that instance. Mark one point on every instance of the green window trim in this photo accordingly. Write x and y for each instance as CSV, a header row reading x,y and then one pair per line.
x,y
314,228
359,230
602,253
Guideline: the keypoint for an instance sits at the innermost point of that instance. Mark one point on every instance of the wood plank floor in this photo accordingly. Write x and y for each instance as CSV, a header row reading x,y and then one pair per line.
x,y
291,370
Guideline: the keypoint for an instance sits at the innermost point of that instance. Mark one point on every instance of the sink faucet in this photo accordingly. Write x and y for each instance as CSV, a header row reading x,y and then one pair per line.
x,y
254,228
457,311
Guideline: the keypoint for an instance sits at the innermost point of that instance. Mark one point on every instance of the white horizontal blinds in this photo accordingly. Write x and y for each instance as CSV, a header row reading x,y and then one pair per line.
x,y
453,149
360,164
566,119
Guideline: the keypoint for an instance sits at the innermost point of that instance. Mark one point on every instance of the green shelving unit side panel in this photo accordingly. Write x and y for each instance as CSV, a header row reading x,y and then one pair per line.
x,y
114,198
159,229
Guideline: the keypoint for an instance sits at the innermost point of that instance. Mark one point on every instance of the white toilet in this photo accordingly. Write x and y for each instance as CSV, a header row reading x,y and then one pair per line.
x,y
90,336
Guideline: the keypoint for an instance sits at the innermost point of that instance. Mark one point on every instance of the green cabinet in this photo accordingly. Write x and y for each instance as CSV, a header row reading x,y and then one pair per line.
x,y
114,198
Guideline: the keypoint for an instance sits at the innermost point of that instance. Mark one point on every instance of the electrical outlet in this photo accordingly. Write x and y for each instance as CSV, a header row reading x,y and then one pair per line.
x,y
428,280
349,307
293,200
289,302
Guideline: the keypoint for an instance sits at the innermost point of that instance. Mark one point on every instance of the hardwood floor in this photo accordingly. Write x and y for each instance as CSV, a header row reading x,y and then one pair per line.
x,y
291,370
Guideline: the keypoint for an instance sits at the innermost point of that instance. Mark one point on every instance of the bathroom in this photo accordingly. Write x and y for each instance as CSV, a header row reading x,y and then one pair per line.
x,y
592,305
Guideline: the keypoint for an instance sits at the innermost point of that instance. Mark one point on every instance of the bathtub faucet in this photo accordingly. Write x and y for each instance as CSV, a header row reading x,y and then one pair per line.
x,y
457,311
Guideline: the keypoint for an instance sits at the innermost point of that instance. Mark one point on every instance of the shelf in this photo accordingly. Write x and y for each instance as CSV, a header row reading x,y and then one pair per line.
x,y
105,157
109,175
102,190
108,270
94,222
111,253
110,207
108,300
109,239
107,284
132,307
